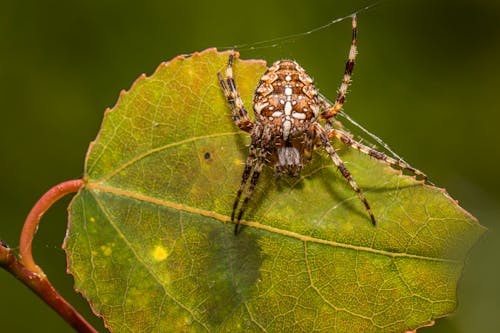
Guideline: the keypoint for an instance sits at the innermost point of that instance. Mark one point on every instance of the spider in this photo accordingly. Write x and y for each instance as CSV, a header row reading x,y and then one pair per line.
x,y
286,130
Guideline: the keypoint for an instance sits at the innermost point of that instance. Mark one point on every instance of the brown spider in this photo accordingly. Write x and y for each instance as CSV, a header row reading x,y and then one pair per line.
x,y
286,129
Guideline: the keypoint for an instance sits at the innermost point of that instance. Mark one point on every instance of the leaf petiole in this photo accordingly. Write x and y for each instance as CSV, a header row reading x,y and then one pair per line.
x,y
28,272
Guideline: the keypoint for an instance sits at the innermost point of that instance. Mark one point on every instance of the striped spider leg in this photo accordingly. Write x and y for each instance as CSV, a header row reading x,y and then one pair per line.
x,y
332,110
346,138
240,114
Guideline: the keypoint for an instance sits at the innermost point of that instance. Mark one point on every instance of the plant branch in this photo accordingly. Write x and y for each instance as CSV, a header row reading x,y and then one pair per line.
x,y
41,286
27,271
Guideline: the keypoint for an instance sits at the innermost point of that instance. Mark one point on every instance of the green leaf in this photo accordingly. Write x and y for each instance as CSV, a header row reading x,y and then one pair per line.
x,y
151,246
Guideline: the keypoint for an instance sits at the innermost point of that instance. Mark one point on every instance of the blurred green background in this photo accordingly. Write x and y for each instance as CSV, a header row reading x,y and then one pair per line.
x,y
427,81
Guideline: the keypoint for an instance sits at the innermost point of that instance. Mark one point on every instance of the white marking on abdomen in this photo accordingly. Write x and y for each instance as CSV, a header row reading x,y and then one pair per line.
x,y
277,114
298,115
288,91
286,129
288,108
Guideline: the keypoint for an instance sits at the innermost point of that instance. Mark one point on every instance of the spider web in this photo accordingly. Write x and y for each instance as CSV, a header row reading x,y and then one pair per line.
x,y
278,41
363,135
360,133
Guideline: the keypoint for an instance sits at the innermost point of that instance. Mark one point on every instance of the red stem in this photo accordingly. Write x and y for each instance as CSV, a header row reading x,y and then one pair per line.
x,y
41,286
28,272
36,213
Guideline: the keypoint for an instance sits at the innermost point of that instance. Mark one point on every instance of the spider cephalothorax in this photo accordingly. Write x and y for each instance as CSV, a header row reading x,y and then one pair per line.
x,y
288,111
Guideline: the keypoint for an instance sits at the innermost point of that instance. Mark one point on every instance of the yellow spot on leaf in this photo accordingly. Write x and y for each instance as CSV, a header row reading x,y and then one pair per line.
x,y
237,162
160,253
106,250
92,219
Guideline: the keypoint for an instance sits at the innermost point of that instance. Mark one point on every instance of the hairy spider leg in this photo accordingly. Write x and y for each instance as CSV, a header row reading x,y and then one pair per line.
x,y
253,165
249,165
240,114
309,143
346,80
346,139
323,134
250,189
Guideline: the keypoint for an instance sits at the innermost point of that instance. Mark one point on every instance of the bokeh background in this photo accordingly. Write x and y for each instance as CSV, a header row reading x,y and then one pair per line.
x,y
427,81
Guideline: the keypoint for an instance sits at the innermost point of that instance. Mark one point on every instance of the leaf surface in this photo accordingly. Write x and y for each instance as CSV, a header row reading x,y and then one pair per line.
x,y
151,247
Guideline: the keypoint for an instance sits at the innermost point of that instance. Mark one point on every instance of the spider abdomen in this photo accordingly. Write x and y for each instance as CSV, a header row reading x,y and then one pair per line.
x,y
286,106
286,100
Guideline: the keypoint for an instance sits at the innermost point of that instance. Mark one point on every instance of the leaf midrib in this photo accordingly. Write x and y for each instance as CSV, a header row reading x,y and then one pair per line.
x,y
224,219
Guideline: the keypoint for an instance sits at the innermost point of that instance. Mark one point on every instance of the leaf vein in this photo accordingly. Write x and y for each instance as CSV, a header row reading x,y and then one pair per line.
x,y
141,261
257,225
158,149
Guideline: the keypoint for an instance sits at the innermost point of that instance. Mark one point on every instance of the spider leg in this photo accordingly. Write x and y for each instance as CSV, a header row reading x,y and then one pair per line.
x,y
323,134
249,165
251,187
309,143
345,138
346,80
240,114
253,166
